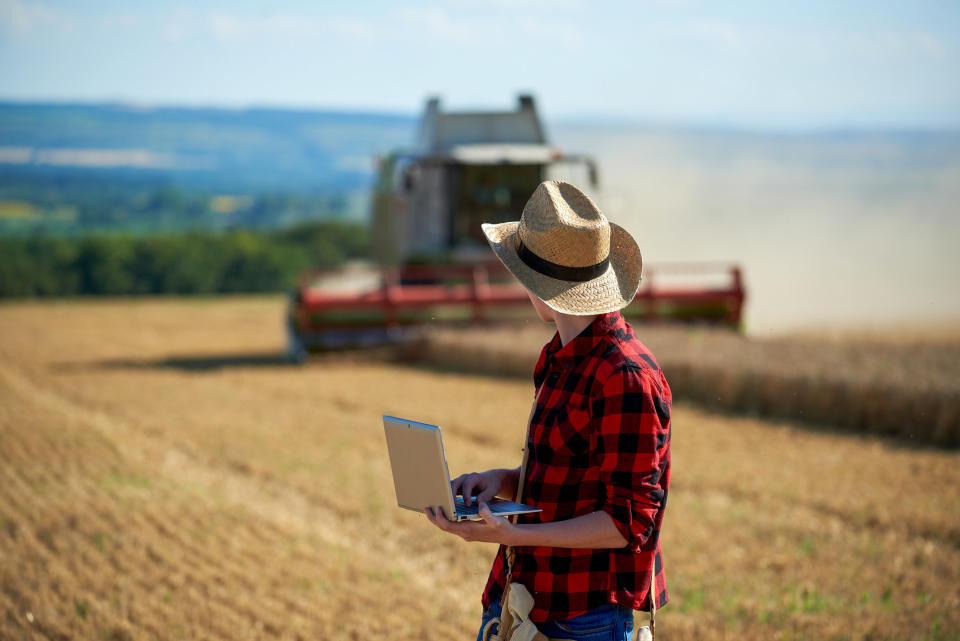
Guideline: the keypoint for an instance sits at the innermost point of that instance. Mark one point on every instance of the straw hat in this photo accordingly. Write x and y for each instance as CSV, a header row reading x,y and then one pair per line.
x,y
566,252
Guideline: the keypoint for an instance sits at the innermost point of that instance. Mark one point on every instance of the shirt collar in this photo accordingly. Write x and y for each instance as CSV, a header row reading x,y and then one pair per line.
x,y
583,344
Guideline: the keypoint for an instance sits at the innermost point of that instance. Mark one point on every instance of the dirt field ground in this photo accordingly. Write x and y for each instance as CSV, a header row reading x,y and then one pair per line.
x,y
164,475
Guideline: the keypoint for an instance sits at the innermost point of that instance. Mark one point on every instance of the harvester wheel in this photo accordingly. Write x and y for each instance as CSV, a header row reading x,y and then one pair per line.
x,y
296,351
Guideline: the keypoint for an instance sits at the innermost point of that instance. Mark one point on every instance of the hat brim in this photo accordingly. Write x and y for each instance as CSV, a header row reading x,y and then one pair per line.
x,y
612,290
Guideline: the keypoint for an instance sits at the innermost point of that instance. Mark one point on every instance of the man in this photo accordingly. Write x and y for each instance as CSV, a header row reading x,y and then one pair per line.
x,y
597,457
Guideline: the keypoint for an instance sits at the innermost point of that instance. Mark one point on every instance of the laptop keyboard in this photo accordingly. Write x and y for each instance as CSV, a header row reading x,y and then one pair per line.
x,y
462,508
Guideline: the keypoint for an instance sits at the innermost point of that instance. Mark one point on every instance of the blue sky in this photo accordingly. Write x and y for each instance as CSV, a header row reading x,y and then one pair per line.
x,y
790,65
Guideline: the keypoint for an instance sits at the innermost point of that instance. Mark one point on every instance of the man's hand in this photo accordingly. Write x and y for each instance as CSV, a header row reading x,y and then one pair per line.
x,y
492,529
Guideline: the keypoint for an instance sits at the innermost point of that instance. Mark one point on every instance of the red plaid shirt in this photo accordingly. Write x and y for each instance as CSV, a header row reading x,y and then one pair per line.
x,y
599,440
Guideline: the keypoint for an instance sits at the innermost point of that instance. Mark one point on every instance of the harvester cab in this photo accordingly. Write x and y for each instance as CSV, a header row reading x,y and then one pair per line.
x,y
467,168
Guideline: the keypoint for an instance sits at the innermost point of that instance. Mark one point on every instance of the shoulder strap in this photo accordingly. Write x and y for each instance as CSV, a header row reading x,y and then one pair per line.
x,y
653,593
526,449
508,553
653,603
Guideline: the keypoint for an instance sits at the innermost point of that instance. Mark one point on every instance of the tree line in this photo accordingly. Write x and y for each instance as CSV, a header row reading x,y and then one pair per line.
x,y
79,203
184,263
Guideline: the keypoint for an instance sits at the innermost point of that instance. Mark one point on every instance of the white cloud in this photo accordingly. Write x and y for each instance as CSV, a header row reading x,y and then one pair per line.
x,y
226,26
907,43
552,5
719,32
863,45
930,44
715,33
24,19
436,21
517,22
179,24
230,26
121,21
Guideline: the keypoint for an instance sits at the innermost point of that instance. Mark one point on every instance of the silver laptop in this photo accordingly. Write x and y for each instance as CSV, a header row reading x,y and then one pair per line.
x,y
421,477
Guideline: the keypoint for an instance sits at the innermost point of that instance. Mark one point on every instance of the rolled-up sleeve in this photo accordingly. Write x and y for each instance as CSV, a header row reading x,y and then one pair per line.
x,y
628,438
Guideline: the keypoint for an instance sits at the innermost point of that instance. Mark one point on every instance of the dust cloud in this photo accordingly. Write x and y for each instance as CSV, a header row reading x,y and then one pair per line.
x,y
833,230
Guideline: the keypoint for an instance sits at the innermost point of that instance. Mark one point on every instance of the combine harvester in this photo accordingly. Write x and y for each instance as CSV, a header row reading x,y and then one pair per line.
x,y
432,263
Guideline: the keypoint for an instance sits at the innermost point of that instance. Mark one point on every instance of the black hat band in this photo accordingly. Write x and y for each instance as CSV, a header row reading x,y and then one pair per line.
x,y
560,272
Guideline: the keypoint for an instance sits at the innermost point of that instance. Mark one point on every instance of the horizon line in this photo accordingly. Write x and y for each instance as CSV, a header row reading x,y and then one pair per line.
x,y
581,119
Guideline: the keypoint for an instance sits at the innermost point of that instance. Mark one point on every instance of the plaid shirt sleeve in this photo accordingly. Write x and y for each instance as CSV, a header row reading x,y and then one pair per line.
x,y
629,440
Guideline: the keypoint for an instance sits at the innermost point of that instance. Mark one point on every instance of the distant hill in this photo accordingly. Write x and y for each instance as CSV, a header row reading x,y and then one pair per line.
x,y
75,168
249,149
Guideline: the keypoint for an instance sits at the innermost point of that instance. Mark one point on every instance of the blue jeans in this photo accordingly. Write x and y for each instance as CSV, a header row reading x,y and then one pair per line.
x,y
606,623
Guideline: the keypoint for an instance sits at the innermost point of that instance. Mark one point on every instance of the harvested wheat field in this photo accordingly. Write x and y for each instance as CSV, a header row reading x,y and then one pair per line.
x,y
904,383
164,475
